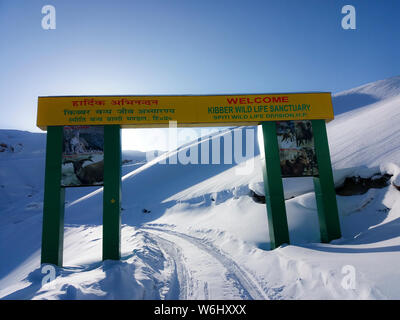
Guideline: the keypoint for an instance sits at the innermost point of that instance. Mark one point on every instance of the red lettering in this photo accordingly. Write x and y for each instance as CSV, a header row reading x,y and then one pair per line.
x,y
243,100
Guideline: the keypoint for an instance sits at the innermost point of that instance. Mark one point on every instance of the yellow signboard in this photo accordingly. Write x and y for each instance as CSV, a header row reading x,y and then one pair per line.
x,y
204,110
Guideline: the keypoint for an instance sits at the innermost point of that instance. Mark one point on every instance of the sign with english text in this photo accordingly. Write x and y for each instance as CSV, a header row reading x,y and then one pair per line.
x,y
205,110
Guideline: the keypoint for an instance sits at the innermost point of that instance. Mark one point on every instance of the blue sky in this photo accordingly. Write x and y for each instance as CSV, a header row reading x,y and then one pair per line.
x,y
188,47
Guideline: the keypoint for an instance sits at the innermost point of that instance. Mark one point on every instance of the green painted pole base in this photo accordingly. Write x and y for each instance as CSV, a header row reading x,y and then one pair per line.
x,y
54,197
274,196
112,193
324,186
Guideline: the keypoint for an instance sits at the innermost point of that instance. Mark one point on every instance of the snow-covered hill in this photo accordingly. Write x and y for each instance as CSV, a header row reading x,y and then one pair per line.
x,y
366,94
193,232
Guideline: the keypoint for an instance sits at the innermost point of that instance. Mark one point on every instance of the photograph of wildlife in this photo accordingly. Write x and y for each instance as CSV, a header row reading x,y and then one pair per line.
x,y
82,163
296,149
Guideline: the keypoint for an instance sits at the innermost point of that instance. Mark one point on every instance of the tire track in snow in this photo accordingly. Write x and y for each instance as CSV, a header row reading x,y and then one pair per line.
x,y
182,280
185,277
244,282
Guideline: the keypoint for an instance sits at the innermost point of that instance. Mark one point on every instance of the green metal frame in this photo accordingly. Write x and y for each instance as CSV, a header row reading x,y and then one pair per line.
x,y
54,194
112,193
324,186
274,196
54,198
323,183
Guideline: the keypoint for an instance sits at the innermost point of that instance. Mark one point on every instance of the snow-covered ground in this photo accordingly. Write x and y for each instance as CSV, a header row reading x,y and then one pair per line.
x,y
193,232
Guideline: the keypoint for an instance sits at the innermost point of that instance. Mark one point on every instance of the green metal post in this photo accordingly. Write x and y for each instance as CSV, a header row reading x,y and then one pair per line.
x,y
274,197
324,186
112,193
54,196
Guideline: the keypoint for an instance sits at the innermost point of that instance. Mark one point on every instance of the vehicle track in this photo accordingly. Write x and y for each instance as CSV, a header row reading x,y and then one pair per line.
x,y
180,286
234,278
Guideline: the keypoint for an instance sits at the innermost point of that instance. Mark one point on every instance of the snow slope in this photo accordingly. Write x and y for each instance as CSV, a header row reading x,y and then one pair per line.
x,y
366,94
202,237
